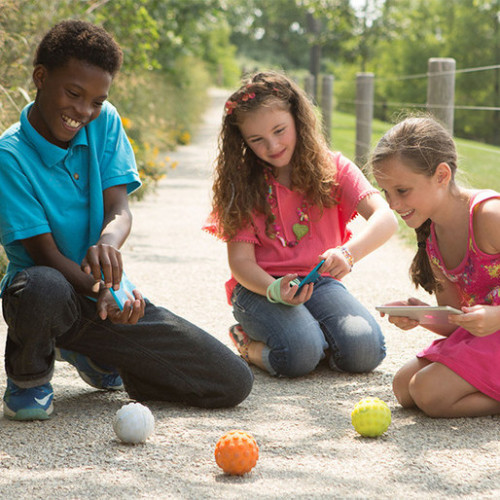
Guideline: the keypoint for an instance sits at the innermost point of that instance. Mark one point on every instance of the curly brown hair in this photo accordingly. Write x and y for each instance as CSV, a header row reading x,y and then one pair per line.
x,y
80,40
422,143
240,187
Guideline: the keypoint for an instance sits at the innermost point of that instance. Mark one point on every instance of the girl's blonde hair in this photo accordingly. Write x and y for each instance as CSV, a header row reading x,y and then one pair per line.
x,y
422,143
240,187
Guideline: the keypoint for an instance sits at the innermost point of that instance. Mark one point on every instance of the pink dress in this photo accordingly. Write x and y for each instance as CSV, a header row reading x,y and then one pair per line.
x,y
475,359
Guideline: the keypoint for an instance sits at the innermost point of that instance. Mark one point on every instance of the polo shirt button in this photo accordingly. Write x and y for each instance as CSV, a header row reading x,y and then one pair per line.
x,y
76,176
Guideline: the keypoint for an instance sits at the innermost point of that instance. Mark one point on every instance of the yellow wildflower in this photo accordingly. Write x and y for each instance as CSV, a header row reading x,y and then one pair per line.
x,y
127,123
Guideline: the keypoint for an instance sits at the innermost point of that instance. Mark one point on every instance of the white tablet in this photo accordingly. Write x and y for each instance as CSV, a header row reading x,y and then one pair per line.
x,y
425,315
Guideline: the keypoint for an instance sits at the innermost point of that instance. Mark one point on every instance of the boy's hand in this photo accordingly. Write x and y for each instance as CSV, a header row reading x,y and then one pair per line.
x,y
107,258
133,309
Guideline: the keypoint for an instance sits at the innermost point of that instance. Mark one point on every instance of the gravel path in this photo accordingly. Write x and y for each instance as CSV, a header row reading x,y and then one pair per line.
x,y
308,448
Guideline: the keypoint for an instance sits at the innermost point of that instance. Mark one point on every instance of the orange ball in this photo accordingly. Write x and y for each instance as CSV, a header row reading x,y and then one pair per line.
x,y
236,452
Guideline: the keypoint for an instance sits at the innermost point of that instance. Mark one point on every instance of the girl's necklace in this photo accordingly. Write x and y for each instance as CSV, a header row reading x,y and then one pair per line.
x,y
300,229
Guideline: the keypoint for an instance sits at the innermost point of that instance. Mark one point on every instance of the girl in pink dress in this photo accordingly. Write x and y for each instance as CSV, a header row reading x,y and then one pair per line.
x,y
458,260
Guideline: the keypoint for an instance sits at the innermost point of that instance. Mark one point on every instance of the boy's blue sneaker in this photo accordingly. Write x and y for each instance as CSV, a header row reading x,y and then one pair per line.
x,y
100,377
34,403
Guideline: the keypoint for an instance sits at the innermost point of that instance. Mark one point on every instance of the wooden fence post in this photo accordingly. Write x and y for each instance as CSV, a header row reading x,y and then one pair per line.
x,y
364,116
441,90
314,28
309,86
326,106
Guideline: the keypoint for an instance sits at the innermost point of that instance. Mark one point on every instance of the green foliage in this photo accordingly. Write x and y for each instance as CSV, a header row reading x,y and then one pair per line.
x,y
416,30
133,26
220,56
394,39
278,34
158,124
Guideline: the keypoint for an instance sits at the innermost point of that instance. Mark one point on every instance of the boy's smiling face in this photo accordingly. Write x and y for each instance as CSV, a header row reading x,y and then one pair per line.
x,y
68,98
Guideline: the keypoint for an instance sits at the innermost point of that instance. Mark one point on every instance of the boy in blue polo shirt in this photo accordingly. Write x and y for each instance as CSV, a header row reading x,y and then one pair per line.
x,y
66,169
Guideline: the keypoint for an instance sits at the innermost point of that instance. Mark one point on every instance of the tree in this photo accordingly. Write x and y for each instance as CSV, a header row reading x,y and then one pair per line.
x,y
412,31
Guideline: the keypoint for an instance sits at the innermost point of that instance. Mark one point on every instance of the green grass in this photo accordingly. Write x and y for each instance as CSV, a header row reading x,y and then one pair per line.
x,y
477,164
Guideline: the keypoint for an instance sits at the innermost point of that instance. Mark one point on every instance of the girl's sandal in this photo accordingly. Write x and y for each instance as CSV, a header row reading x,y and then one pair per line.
x,y
240,340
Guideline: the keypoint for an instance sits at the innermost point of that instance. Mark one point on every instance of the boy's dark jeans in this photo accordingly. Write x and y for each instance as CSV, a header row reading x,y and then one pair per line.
x,y
162,357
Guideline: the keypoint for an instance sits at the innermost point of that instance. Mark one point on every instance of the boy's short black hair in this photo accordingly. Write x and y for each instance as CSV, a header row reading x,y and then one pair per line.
x,y
79,40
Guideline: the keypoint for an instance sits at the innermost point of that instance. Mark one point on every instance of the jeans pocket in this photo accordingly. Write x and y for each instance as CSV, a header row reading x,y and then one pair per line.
x,y
11,298
236,298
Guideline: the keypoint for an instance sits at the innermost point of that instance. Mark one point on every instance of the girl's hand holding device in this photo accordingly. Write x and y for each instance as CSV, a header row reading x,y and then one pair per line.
x,y
479,320
403,322
283,290
339,262
423,315
312,277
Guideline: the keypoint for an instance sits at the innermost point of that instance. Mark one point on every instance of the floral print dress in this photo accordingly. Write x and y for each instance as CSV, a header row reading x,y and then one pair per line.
x,y
475,359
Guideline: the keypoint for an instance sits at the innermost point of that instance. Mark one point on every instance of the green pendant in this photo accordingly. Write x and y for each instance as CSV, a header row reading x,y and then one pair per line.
x,y
300,230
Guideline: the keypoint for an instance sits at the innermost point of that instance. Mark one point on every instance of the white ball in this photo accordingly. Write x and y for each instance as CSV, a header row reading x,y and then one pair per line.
x,y
133,423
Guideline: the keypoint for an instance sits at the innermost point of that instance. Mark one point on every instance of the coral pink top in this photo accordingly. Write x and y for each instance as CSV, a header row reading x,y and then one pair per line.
x,y
326,230
475,359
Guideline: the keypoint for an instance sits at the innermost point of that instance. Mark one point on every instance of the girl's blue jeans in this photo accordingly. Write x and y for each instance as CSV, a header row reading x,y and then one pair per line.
x,y
162,357
296,337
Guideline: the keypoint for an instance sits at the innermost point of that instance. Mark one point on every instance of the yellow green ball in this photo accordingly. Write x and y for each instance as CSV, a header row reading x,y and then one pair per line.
x,y
371,417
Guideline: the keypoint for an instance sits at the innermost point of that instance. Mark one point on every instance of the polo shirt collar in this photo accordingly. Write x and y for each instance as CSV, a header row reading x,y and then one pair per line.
x,y
50,153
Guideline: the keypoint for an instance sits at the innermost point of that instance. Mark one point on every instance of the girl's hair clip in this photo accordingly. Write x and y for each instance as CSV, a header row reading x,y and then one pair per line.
x,y
248,95
231,105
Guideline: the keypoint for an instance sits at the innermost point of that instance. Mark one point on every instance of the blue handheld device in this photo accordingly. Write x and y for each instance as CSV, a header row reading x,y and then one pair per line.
x,y
120,295
312,277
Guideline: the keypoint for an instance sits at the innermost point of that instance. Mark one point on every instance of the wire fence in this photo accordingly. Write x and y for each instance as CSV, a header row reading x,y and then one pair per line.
x,y
423,76
443,76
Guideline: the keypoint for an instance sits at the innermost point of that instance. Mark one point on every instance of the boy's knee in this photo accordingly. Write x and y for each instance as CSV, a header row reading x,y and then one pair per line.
x,y
39,289
48,284
238,387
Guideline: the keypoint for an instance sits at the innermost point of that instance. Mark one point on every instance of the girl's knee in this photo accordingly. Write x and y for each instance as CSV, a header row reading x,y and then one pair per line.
x,y
425,396
361,347
297,360
400,388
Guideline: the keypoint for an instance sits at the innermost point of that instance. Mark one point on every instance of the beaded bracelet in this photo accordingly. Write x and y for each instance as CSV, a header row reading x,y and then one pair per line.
x,y
348,257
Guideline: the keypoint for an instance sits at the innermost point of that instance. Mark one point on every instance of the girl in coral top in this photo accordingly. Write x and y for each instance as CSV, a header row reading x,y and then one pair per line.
x,y
458,260
282,201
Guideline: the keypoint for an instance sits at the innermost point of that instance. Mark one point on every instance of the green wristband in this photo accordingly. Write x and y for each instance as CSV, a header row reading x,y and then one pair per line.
x,y
273,293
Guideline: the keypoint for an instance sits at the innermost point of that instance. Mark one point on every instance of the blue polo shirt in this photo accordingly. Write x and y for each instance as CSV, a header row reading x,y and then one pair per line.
x,y
47,189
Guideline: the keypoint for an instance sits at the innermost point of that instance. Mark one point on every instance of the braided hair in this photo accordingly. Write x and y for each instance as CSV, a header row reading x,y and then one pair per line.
x,y
422,143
